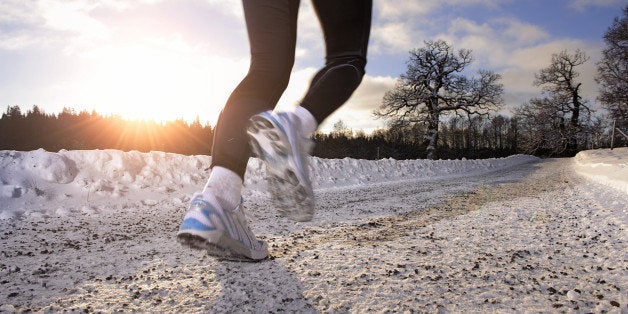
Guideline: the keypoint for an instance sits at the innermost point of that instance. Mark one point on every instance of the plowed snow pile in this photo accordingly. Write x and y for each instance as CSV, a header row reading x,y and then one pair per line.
x,y
48,183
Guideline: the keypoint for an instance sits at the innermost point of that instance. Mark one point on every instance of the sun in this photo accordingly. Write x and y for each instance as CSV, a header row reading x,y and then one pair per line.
x,y
144,82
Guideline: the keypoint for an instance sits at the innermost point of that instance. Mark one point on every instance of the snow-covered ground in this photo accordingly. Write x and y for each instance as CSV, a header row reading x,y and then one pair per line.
x,y
94,230
605,166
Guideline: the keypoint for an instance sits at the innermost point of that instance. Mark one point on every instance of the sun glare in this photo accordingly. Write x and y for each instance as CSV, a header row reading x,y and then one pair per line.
x,y
150,82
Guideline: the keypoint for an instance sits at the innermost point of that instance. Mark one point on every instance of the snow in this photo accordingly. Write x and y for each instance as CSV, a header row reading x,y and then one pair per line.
x,y
94,230
74,180
605,166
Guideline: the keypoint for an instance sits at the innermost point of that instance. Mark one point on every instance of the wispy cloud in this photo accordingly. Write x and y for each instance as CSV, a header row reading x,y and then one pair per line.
x,y
402,9
518,51
523,33
393,37
582,5
357,113
232,8
16,11
73,17
32,24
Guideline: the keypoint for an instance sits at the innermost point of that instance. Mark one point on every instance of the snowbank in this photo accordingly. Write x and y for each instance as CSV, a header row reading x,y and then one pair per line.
x,y
28,169
604,166
78,178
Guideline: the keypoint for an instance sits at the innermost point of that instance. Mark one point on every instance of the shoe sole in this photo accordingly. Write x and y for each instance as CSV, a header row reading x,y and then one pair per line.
x,y
219,245
289,186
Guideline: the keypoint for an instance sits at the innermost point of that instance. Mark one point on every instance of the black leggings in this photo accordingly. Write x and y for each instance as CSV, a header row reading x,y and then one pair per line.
x,y
272,29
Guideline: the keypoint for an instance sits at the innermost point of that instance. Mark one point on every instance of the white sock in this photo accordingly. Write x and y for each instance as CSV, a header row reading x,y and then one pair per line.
x,y
308,122
226,185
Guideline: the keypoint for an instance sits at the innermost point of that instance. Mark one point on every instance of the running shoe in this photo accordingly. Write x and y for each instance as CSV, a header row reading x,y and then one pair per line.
x,y
221,232
276,139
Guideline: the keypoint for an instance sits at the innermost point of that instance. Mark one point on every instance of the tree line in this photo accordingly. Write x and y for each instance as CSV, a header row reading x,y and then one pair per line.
x,y
84,130
478,137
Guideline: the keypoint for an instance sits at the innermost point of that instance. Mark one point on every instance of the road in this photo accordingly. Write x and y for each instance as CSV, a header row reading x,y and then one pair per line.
x,y
536,237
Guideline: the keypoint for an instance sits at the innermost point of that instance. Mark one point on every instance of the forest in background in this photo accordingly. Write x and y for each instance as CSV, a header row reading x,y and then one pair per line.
x,y
84,130
472,138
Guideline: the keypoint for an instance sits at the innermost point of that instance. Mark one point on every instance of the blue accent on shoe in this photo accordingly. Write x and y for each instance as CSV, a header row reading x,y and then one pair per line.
x,y
221,232
210,211
193,224
277,123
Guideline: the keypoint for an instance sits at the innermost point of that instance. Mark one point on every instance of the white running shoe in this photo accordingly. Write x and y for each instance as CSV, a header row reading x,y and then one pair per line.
x,y
277,140
222,233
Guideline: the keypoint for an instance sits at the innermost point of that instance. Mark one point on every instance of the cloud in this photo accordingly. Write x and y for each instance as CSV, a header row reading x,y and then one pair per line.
x,y
299,82
492,42
522,63
485,3
391,37
523,33
408,10
396,9
74,25
18,11
582,5
400,25
46,22
14,15
357,113
20,40
73,17
310,42
230,8
369,94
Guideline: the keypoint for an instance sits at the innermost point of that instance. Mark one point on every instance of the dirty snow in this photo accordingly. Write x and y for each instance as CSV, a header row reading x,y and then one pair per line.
x,y
94,230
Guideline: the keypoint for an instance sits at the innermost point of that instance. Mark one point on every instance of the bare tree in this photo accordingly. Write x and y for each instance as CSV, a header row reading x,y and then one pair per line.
x,y
613,71
434,85
543,128
498,131
340,128
559,82
546,127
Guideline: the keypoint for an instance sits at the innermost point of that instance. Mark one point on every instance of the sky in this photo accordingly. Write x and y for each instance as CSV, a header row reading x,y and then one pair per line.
x,y
170,59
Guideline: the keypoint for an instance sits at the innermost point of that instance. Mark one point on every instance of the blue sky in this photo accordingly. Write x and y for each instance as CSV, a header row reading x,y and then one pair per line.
x,y
167,59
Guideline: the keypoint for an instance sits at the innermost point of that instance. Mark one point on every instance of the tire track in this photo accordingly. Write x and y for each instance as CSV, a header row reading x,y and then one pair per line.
x,y
538,245
491,189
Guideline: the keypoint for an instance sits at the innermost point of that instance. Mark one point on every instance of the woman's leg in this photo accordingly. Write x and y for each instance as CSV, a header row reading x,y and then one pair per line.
x,y
278,138
346,26
215,221
271,26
